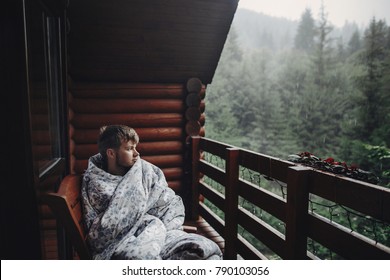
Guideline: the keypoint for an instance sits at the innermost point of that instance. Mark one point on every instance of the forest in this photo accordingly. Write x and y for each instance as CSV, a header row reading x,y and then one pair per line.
x,y
283,87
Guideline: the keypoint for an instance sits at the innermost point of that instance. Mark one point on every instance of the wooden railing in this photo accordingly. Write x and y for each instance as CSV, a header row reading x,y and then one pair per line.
x,y
300,224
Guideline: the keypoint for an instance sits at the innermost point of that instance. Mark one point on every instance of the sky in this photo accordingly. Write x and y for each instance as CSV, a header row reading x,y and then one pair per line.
x,y
339,11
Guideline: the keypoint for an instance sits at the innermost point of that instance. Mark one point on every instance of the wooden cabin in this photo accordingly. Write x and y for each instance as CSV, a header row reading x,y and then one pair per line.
x,y
73,66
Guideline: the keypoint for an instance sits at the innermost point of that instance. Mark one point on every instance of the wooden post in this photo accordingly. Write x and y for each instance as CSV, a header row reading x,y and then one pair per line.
x,y
195,177
297,212
231,204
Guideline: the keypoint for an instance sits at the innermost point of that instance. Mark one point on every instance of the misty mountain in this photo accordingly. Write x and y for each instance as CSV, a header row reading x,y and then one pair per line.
x,y
257,30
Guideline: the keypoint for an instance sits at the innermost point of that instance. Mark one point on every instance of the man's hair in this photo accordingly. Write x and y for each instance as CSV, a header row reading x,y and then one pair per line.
x,y
112,136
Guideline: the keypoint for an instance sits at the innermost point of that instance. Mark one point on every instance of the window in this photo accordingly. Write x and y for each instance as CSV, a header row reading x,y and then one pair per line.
x,y
46,90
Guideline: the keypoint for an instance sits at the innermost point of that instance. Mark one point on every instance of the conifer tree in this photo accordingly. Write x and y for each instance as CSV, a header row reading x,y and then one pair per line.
x,y
304,39
370,83
354,43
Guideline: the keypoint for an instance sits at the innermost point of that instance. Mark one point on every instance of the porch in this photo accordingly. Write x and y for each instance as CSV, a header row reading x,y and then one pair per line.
x,y
267,208
148,66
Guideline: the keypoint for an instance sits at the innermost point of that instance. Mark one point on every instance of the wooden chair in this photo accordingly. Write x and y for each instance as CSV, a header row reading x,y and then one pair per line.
x,y
66,207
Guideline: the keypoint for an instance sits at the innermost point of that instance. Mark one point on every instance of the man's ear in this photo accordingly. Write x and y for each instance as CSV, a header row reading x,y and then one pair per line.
x,y
110,153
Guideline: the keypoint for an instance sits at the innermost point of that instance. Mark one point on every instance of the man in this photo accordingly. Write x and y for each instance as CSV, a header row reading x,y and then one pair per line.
x,y
129,210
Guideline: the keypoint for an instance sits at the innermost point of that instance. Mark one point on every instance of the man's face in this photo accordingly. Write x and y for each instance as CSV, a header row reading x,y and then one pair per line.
x,y
126,155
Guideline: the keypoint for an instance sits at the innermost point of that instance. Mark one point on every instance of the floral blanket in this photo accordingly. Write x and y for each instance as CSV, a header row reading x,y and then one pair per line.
x,y
137,216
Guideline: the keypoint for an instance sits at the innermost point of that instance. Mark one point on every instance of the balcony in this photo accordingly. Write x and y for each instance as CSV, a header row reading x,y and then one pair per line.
x,y
261,207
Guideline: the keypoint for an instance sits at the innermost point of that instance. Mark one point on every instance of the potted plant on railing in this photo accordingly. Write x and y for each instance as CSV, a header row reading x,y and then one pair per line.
x,y
336,167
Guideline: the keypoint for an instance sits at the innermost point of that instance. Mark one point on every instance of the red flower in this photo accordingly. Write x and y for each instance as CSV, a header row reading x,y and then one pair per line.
x,y
329,160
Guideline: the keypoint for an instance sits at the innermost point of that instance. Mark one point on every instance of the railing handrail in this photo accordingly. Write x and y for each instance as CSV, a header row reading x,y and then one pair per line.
x,y
300,225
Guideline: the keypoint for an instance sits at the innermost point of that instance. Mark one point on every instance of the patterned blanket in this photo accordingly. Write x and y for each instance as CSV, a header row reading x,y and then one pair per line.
x,y
137,216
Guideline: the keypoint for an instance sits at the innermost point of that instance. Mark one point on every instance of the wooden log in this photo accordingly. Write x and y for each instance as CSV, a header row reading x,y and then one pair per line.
x,y
202,106
84,151
158,160
127,90
70,114
133,120
96,106
194,85
192,114
193,128
170,172
165,161
202,119
193,99
202,93
202,131
87,136
72,148
73,167
72,131
161,148
175,185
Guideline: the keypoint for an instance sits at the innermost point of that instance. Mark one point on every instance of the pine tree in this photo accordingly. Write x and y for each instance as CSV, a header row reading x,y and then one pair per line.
x,y
370,83
354,43
323,49
304,39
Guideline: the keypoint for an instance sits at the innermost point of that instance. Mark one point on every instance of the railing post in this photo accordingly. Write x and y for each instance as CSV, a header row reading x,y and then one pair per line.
x,y
297,212
231,204
195,177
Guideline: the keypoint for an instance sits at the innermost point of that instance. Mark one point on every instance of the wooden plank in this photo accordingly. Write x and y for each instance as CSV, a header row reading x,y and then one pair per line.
x,y
82,121
212,195
87,136
248,251
214,147
231,203
120,106
264,199
156,73
126,90
212,172
262,231
165,161
84,151
363,197
216,222
296,212
195,155
341,240
266,165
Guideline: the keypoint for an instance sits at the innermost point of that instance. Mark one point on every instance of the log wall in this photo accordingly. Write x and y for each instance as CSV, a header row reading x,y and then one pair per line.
x,y
162,114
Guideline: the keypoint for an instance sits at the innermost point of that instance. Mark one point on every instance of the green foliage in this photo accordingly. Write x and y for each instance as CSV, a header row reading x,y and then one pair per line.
x,y
322,96
304,39
323,100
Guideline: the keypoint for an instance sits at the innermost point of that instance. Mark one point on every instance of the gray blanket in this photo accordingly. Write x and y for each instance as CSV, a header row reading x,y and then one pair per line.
x,y
137,216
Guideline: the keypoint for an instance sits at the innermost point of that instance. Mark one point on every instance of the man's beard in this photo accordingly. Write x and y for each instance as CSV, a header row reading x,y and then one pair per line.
x,y
119,164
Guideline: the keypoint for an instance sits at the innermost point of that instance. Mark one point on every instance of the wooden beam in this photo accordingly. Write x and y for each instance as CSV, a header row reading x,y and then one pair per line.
x,y
231,203
296,216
